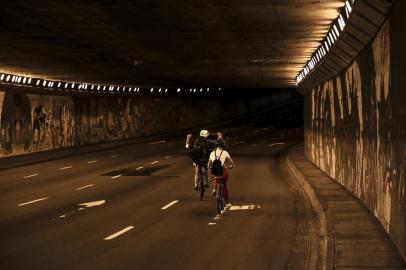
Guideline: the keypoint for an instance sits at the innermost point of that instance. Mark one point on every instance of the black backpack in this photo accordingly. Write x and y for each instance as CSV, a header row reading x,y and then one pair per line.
x,y
199,152
217,167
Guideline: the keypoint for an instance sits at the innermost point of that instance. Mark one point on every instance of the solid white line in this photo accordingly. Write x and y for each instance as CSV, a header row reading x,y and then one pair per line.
x,y
139,168
79,188
115,156
169,205
92,161
157,142
154,162
114,235
65,168
116,176
32,175
37,200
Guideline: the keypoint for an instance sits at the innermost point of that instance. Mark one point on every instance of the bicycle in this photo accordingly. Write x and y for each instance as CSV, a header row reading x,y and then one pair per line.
x,y
202,174
220,194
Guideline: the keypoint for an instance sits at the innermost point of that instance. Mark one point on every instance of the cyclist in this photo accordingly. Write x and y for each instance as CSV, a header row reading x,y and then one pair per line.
x,y
221,140
226,161
200,151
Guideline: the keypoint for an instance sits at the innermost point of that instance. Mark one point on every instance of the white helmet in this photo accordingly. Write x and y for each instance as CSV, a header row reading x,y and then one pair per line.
x,y
204,133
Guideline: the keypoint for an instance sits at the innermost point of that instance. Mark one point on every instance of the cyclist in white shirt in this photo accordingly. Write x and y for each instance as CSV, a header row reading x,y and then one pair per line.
x,y
221,154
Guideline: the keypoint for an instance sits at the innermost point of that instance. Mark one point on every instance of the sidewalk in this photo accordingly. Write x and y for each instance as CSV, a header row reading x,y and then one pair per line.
x,y
356,239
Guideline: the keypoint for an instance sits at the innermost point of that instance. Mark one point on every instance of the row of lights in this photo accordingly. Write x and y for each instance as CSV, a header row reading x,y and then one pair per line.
x,y
333,34
59,85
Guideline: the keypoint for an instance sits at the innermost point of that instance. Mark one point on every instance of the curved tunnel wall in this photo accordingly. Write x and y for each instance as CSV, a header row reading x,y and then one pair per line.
x,y
31,123
355,126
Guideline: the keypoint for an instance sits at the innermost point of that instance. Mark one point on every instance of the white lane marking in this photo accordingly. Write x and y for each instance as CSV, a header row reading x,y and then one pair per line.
x,y
79,188
114,235
244,207
32,175
92,161
154,162
37,200
169,205
158,142
168,157
65,168
139,168
212,223
273,144
92,204
113,156
116,176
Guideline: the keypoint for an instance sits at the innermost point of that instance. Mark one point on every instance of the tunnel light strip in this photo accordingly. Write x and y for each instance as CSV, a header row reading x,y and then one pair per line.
x,y
26,81
331,38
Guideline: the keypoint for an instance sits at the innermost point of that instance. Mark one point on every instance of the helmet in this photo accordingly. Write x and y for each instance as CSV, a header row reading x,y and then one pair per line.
x,y
204,133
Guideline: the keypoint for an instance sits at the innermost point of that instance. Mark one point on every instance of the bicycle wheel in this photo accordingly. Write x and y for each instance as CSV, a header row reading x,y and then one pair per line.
x,y
220,198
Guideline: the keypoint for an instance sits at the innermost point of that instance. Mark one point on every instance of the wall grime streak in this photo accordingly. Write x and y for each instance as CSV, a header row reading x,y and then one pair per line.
x,y
353,132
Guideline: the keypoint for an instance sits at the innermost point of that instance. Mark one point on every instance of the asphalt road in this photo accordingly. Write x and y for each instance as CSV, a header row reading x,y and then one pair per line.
x,y
103,210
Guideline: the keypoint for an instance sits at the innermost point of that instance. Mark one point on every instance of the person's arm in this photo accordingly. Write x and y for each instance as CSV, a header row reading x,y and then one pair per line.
x,y
230,162
188,137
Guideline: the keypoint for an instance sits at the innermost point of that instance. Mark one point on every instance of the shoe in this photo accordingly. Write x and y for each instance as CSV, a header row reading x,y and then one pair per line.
x,y
213,193
228,206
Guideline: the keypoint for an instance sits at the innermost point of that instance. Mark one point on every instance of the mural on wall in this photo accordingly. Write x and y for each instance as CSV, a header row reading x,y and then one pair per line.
x,y
353,133
31,123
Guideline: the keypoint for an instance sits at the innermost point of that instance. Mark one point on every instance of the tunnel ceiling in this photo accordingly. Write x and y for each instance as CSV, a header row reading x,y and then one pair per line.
x,y
229,43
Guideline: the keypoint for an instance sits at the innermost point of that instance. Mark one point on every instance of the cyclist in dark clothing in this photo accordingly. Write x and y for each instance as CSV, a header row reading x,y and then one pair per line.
x,y
200,151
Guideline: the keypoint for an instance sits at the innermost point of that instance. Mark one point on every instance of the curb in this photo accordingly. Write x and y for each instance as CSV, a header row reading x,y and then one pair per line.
x,y
326,241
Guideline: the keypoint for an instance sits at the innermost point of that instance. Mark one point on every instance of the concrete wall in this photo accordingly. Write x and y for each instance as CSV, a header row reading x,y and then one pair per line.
x,y
32,123
355,126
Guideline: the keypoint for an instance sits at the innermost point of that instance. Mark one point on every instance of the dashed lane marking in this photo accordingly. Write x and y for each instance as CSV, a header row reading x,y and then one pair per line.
x,y
116,176
139,168
87,186
114,235
34,201
113,156
157,142
273,144
154,162
32,175
168,157
65,168
212,223
169,205
92,161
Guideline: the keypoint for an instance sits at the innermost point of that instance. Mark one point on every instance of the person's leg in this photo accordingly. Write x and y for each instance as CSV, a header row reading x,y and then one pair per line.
x,y
226,193
196,175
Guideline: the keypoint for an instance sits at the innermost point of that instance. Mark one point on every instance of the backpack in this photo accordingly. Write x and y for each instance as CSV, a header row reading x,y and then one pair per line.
x,y
217,168
199,152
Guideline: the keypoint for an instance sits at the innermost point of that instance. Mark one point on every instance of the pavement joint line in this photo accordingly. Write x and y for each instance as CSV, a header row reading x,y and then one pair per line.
x,y
92,161
114,235
34,201
113,156
139,168
116,176
65,168
157,142
154,162
79,188
32,175
169,205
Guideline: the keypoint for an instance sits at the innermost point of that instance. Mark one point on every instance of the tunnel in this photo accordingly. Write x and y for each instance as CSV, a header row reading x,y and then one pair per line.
x,y
203,134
